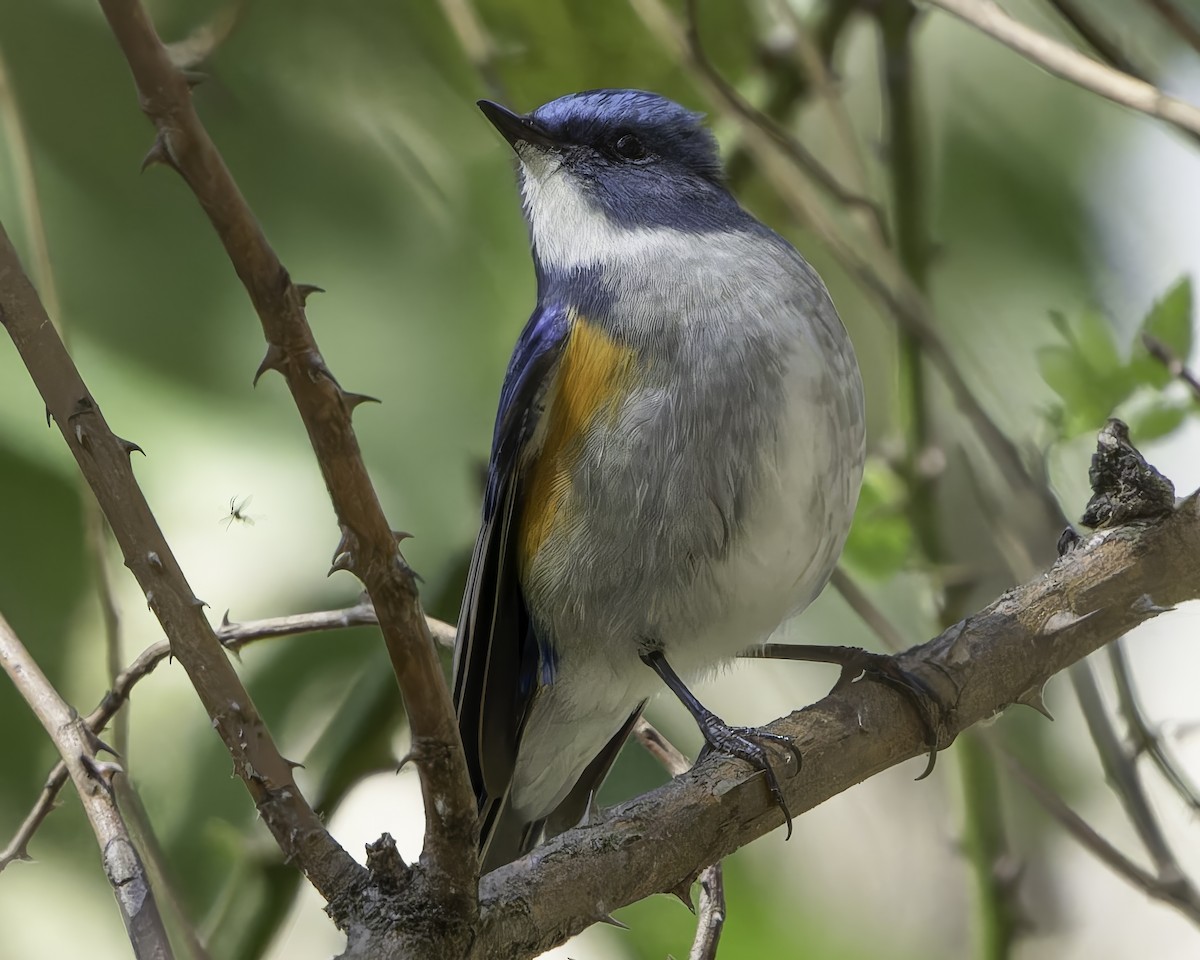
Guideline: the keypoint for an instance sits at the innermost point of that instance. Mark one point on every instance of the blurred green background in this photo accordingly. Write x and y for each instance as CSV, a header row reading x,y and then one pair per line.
x,y
1054,222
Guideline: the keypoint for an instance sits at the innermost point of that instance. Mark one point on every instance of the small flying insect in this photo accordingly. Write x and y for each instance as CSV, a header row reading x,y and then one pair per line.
x,y
237,512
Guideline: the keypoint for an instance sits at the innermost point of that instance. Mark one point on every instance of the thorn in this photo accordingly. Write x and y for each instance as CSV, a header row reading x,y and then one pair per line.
x,y
1145,604
341,562
130,447
197,602
96,743
294,764
613,922
274,359
352,400
80,435
1062,620
306,290
102,771
346,542
159,152
48,416
401,536
684,890
155,561
150,599
225,621
589,811
1034,698
318,371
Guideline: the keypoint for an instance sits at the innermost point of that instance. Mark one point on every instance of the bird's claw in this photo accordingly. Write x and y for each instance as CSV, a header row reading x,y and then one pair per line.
x,y
924,699
739,742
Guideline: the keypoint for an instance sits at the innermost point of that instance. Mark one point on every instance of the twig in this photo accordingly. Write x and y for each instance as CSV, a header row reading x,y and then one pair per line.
x,y
1177,20
1175,365
1104,48
1121,772
813,56
93,781
1145,739
1183,900
710,912
794,149
1096,38
870,614
233,637
478,45
368,546
104,460
1070,65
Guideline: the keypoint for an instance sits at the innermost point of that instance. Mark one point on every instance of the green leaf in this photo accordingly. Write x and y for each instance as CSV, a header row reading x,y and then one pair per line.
x,y
1093,338
1156,421
1170,322
1170,319
881,537
1088,398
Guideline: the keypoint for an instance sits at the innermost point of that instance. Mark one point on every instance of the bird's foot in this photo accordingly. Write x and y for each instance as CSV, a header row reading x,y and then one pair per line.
x,y
931,706
883,668
745,743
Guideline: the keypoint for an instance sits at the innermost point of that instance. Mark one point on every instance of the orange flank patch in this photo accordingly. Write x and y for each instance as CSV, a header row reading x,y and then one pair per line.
x,y
594,373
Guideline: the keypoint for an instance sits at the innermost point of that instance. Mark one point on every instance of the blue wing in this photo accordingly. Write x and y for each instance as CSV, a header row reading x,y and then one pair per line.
x,y
496,655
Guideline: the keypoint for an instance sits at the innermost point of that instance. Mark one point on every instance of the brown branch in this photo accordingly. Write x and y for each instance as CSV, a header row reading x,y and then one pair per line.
x,y
994,658
233,636
104,461
368,546
710,912
1072,66
93,781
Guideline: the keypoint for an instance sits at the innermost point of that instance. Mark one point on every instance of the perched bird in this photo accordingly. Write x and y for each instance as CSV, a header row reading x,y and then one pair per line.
x,y
676,458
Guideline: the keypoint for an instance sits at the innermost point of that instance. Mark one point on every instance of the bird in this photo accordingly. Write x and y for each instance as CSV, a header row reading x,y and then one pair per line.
x,y
676,459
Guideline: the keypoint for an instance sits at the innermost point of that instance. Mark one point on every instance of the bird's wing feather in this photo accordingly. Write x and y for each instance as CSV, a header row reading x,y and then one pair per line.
x,y
495,655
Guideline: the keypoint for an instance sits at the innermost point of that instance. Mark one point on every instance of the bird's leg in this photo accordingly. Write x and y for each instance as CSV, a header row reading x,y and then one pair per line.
x,y
879,667
736,742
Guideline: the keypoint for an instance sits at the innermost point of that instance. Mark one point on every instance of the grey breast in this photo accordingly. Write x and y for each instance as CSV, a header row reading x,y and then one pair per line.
x,y
661,494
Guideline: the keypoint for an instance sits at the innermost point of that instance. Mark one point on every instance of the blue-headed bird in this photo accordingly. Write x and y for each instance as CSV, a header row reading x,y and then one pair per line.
x,y
676,458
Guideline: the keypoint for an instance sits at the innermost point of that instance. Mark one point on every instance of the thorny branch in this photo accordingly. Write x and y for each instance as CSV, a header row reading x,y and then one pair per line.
x,y
368,546
233,636
103,458
93,780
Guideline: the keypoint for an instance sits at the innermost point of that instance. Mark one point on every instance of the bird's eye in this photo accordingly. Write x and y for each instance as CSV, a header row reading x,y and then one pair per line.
x,y
629,147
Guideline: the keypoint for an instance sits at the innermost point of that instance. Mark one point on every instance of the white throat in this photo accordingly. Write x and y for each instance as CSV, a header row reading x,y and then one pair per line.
x,y
568,231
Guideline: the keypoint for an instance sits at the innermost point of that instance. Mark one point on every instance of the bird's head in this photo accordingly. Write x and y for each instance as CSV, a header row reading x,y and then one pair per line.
x,y
600,165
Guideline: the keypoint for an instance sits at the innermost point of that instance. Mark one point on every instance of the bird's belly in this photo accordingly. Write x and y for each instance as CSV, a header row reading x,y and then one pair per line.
x,y
699,532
